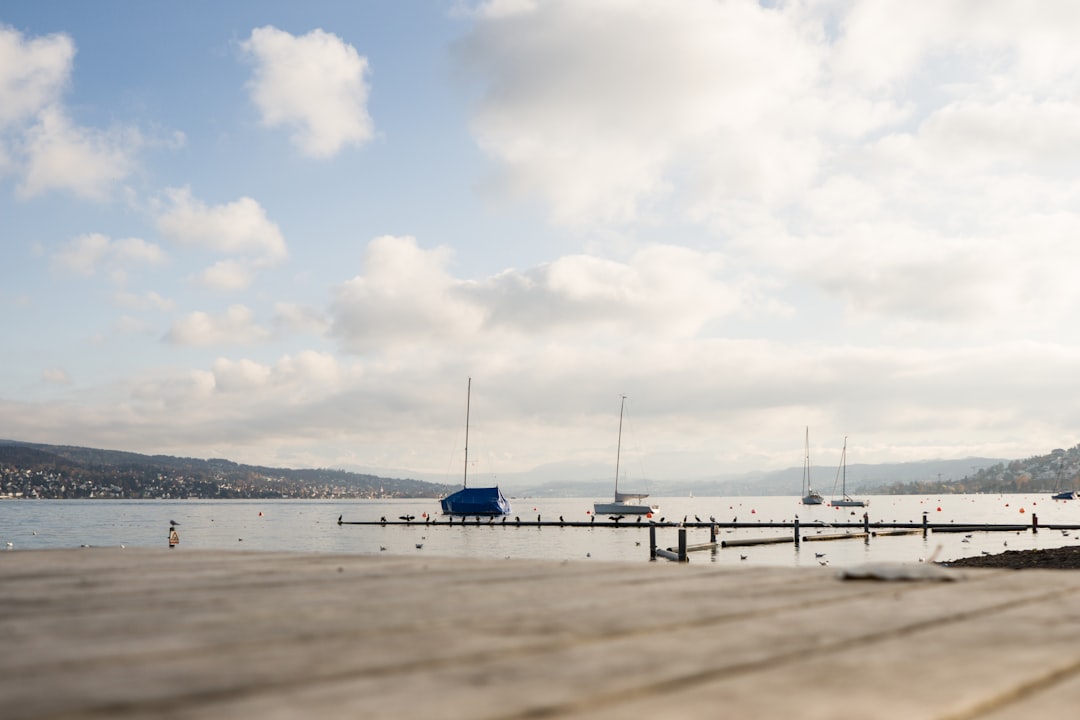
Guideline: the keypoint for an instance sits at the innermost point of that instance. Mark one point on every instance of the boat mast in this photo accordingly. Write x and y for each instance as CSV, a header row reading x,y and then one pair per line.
x,y
468,397
618,448
843,467
806,464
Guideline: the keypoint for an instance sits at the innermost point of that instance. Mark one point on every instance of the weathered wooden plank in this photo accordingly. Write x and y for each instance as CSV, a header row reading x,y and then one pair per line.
x,y
278,635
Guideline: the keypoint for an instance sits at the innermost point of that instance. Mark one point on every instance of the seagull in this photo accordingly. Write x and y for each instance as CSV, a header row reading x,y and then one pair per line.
x,y
823,563
662,519
419,545
697,518
382,547
639,518
684,519
819,555
173,523
742,557
517,519
560,519
712,518
504,520
382,519
617,518
338,519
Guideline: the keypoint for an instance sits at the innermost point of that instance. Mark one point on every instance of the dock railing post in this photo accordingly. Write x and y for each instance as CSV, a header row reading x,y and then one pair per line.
x,y
866,523
682,544
652,541
924,525
712,533
1034,524
796,531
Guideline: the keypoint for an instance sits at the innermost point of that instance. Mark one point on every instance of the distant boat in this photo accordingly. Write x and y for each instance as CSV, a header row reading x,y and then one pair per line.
x,y
810,496
1060,494
841,472
474,501
625,503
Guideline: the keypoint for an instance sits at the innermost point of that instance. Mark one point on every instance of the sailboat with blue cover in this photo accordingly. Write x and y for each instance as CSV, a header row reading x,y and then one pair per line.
x,y
474,501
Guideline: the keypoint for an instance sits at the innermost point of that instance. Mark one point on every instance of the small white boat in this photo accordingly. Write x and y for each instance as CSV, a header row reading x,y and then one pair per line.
x,y
844,500
625,503
810,496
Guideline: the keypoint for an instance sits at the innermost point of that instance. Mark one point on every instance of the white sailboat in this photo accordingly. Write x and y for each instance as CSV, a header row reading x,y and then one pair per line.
x,y
625,503
810,496
841,473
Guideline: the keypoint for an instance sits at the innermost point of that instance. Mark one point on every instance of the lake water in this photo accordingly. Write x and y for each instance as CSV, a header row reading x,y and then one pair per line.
x,y
311,526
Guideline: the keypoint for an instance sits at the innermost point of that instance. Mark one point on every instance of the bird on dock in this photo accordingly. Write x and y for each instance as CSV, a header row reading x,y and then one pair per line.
x,y
823,563
382,519
697,518
504,521
639,518
338,519
662,519
684,519
477,519
712,518
517,519
819,555
406,518
592,519
743,557
561,520
538,519
491,519
617,518
173,523
735,519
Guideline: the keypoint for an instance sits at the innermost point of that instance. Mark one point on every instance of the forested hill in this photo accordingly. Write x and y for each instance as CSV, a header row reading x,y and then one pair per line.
x,y
1058,470
31,470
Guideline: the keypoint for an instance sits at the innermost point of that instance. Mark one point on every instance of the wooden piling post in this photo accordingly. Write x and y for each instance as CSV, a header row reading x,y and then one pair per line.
x,y
682,544
866,522
1034,524
712,533
652,541
796,531
924,524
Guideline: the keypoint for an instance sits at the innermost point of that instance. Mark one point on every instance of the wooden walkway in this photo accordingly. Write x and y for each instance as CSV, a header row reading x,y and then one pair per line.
x,y
115,633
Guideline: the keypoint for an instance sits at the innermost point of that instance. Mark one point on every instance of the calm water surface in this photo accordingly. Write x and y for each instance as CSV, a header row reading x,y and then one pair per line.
x,y
311,526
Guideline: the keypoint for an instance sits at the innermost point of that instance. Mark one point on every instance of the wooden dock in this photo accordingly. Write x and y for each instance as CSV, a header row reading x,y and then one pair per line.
x,y
147,633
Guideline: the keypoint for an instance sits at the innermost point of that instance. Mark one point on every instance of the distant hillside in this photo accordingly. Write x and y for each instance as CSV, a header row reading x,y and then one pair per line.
x,y
861,479
60,471
1055,471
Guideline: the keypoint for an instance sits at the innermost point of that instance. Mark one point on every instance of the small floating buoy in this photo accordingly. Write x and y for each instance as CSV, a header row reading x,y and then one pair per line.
x,y
939,509
260,513
1021,509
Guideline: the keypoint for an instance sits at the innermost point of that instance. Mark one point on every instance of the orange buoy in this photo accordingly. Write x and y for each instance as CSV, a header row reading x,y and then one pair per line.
x,y
1021,509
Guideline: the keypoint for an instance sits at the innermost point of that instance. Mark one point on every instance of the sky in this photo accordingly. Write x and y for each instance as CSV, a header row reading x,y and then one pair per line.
x,y
289,234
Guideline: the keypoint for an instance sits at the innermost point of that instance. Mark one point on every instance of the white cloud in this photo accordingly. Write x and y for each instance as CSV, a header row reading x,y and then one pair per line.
x,y
62,156
300,319
599,108
33,74
226,275
314,84
404,297
237,228
236,327
407,298
87,254
149,300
